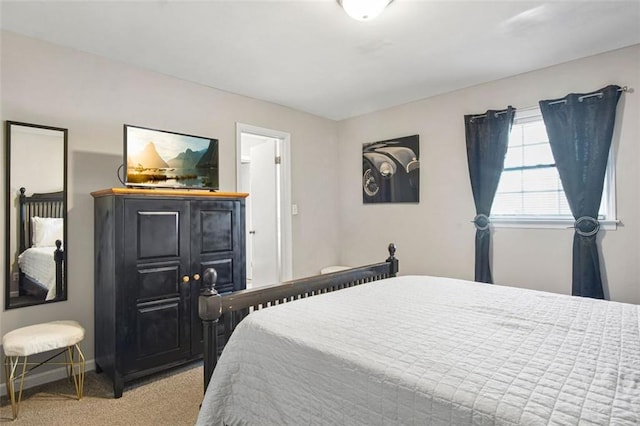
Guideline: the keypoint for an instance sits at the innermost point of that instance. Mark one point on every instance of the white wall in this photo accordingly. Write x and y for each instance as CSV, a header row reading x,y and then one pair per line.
x,y
436,236
93,97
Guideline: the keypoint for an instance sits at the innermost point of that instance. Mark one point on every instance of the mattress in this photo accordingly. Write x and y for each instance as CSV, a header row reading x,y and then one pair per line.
x,y
420,350
39,265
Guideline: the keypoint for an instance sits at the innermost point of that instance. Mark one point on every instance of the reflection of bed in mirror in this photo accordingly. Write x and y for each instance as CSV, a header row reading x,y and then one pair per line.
x,y
41,253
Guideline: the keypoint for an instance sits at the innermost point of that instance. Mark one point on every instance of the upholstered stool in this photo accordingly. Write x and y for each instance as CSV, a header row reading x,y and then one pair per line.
x,y
19,344
334,268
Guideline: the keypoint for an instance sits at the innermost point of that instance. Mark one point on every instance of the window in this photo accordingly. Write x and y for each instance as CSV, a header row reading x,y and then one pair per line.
x,y
530,192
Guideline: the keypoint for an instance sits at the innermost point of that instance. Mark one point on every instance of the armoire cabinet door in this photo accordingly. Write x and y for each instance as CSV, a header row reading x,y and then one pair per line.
x,y
157,289
217,238
151,249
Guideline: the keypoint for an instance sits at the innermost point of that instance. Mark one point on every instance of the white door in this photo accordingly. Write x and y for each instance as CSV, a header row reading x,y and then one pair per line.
x,y
263,221
268,207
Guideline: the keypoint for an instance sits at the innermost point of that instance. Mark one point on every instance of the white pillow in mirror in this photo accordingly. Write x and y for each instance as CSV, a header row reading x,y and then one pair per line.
x,y
46,230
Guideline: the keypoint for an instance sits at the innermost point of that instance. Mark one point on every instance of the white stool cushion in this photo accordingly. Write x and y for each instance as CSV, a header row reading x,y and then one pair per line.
x,y
37,338
336,268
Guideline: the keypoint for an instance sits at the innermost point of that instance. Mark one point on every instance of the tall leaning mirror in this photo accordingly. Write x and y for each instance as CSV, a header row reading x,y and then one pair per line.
x,y
36,214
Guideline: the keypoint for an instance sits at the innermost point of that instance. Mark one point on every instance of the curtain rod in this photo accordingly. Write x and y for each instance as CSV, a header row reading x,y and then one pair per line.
x,y
622,89
599,94
497,113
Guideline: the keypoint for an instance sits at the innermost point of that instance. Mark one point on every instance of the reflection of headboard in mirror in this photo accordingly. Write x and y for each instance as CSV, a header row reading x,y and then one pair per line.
x,y
41,247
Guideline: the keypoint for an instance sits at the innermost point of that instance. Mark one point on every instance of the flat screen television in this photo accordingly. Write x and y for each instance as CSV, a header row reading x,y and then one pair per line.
x,y
163,159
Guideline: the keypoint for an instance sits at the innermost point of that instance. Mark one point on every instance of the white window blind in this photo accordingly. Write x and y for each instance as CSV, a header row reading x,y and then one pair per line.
x,y
530,191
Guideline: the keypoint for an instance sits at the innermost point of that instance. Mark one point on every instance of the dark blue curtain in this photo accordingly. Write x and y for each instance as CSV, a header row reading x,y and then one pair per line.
x,y
580,127
487,139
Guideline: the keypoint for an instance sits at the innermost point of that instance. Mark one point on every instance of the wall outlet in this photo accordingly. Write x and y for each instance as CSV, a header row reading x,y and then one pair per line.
x,y
14,277
294,209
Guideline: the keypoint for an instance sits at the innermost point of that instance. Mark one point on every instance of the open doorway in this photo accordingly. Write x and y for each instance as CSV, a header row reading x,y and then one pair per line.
x,y
263,171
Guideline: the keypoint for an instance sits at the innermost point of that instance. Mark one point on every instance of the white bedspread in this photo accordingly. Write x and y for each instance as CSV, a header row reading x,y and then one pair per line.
x,y
425,350
38,264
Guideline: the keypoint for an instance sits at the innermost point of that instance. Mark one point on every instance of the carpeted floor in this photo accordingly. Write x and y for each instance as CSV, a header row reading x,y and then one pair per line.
x,y
171,398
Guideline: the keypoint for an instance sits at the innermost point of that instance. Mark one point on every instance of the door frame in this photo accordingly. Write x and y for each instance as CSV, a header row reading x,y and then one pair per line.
x,y
286,237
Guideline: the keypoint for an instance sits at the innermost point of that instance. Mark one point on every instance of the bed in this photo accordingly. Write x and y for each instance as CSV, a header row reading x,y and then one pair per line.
x,y
429,350
41,255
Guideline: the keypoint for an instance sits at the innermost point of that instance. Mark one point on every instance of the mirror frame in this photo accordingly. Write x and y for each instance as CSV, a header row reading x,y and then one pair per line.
x,y
10,206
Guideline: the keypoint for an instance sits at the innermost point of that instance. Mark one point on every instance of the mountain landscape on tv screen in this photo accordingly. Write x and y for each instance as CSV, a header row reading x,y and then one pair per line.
x,y
148,158
209,160
187,159
187,168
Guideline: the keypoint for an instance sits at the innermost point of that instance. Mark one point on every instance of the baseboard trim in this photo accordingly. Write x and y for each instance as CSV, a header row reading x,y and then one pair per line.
x,y
36,379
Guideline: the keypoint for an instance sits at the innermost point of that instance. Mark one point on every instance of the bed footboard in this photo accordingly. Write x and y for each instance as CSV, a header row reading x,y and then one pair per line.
x,y
221,313
58,257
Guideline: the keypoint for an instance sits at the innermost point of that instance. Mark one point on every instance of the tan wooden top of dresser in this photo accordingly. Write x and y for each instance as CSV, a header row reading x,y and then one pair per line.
x,y
169,192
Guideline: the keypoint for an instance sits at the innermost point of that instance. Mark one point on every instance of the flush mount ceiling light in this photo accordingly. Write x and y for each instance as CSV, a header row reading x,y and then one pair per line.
x,y
364,10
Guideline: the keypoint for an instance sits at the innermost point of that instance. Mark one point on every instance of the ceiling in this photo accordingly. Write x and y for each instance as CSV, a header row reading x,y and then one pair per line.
x,y
310,56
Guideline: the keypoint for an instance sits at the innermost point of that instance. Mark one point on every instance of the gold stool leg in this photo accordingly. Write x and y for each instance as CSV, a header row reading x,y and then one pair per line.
x,y
9,375
11,367
82,370
79,364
